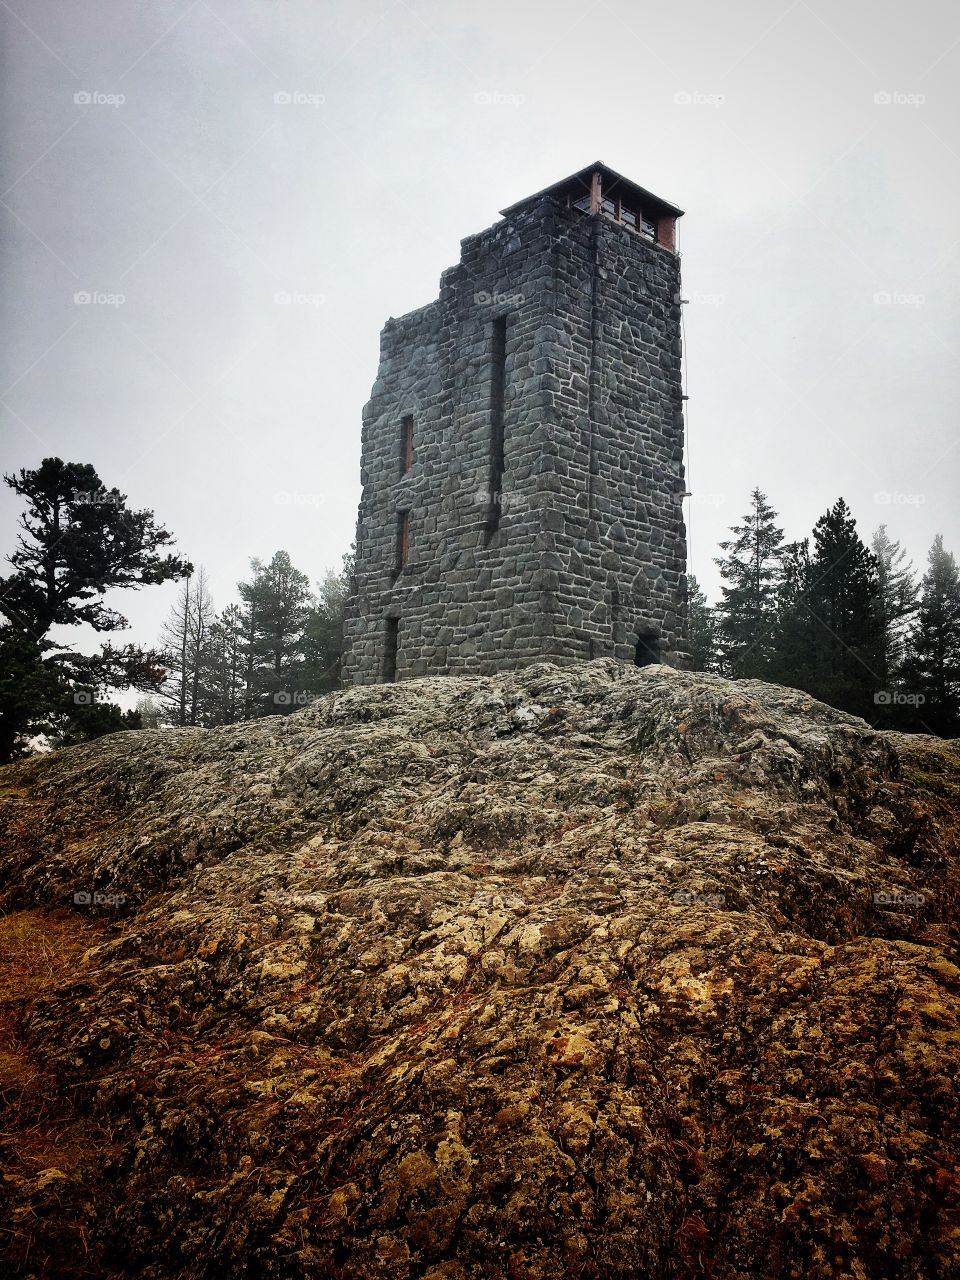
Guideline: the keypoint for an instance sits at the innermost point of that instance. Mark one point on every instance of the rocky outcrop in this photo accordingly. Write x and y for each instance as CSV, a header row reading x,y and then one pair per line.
x,y
590,971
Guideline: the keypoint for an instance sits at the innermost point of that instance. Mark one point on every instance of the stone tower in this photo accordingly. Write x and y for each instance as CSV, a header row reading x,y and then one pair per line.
x,y
522,449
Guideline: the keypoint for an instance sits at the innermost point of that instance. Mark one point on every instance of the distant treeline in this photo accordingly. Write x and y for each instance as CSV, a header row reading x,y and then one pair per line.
x,y
851,624
273,651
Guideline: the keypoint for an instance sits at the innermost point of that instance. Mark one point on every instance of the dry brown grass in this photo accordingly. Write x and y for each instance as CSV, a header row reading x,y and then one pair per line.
x,y
47,1150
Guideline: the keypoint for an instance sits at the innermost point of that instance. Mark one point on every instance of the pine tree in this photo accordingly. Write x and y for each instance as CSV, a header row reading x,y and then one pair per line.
x,y
701,629
792,660
94,720
932,666
78,540
845,625
751,571
81,540
224,667
896,602
249,618
323,630
276,603
31,689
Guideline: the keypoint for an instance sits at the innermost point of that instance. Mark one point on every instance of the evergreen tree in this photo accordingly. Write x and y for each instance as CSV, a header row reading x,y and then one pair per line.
x,y
846,630
793,658
323,631
73,724
751,571
224,671
31,689
701,629
896,602
276,604
249,618
932,667
81,541
78,540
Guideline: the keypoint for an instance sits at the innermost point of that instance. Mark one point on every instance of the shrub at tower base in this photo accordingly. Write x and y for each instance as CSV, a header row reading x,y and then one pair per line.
x,y
591,971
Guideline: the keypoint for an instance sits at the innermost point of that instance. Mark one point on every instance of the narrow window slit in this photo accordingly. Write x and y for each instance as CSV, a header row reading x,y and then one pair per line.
x,y
403,539
498,385
406,444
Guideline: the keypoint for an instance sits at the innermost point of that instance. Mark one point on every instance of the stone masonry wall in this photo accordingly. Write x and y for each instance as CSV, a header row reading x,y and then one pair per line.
x,y
590,549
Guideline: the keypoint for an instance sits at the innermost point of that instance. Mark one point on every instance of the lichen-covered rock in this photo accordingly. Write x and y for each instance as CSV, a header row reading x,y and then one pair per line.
x,y
591,971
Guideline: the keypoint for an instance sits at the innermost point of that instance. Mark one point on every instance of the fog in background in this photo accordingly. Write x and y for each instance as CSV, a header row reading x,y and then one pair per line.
x,y
264,182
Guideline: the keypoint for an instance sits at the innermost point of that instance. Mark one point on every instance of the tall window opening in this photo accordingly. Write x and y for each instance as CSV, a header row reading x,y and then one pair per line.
x,y
648,649
403,539
391,644
498,385
406,444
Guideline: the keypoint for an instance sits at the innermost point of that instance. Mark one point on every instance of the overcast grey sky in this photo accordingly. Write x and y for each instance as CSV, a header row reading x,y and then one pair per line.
x,y
201,157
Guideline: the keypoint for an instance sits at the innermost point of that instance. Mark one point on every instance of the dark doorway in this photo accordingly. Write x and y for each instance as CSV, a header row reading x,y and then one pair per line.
x,y
391,644
648,650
